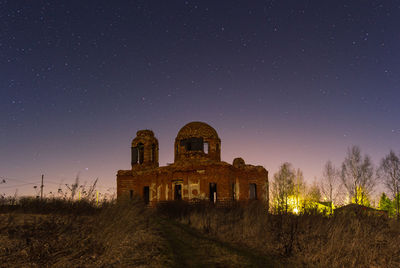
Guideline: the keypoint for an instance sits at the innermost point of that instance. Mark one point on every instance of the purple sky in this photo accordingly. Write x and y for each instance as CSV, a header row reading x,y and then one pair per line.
x,y
296,81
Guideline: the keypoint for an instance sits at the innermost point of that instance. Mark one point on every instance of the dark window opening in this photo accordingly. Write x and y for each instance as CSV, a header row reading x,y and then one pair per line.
x,y
140,148
153,153
233,192
253,191
205,147
193,144
178,192
131,194
134,154
213,192
146,195
217,148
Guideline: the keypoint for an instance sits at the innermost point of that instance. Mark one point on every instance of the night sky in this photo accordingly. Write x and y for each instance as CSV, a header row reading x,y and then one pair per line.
x,y
296,81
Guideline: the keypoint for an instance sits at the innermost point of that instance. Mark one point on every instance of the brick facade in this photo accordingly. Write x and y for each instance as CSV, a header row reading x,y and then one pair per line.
x,y
197,172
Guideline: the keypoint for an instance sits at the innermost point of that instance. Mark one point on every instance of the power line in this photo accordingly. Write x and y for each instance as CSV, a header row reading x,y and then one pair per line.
x,y
6,183
59,183
24,181
12,179
15,186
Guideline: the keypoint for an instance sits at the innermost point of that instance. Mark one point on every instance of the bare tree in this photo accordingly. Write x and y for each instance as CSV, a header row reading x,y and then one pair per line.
x,y
389,173
357,175
330,183
299,187
283,186
314,192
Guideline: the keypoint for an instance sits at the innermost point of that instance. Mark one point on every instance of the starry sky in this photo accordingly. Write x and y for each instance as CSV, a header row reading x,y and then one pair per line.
x,y
296,81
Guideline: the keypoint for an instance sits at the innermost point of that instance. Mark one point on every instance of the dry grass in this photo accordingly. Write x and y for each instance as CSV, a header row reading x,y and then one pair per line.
x,y
306,240
116,235
127,234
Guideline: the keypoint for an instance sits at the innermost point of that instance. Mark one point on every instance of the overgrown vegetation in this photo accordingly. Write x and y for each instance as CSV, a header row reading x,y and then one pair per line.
x,y
127,234
72,229
303,240
354,183
52,206
79,234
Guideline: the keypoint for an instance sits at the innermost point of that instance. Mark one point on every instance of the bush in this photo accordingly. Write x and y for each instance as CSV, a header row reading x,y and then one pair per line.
x,y
52,205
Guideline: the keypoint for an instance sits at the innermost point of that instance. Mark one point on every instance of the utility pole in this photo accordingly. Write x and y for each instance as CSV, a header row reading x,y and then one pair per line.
x,y
41,189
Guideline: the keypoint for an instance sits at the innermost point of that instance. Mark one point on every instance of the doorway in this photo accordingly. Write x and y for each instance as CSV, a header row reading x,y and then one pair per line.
x,y
233,189
178,192
146,195
213,192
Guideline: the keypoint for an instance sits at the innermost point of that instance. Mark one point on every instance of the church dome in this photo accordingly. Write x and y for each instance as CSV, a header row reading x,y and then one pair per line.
x,y
197,141
197,129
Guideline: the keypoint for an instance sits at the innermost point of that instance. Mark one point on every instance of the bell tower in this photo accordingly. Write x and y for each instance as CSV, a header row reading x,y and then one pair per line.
x,y
144,150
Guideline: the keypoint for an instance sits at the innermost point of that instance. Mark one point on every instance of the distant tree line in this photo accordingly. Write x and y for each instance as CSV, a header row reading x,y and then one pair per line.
x,y
353,182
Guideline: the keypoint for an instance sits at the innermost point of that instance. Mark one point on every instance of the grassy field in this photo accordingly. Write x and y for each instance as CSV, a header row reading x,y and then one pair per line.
x,y
54,233
298,240
123,235
57,233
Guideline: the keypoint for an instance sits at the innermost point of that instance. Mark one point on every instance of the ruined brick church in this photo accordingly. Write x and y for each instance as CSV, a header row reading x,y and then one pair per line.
x,y
196,174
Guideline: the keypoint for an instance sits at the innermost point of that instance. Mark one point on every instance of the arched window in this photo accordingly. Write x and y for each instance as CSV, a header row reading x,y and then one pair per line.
x,y
153,153
140,148
134,157
205,147
253,191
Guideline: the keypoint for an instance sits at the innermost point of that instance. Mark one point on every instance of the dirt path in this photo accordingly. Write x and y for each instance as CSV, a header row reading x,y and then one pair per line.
x,y
190,248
